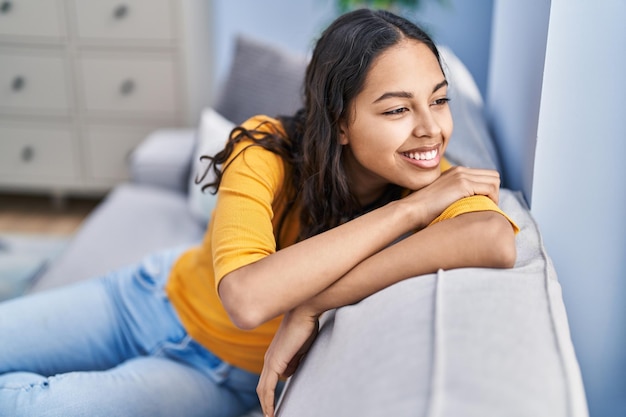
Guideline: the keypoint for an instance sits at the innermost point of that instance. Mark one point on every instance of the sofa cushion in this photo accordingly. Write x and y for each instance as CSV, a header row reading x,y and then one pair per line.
x,y
132,221
263,79
464,342
213,133
163,159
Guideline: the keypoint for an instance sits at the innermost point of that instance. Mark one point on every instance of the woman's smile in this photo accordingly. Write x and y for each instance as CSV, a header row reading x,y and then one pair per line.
x,y
426,157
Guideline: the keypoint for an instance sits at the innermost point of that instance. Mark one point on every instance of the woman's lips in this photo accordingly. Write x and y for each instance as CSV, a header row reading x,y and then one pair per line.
x,y
423,157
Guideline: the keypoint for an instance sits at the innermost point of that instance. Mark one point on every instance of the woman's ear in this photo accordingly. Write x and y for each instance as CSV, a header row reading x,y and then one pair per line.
x,y
343,135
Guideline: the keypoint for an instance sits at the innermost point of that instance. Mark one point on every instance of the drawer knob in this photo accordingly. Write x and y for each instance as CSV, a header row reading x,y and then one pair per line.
x,y
127,87
120,11
5,7
18,83
28,153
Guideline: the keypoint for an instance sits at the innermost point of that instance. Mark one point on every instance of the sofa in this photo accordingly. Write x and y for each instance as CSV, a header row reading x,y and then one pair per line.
x,y
464,342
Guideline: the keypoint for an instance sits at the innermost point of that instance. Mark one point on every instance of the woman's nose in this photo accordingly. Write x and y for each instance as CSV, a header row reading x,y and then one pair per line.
x,y
425,124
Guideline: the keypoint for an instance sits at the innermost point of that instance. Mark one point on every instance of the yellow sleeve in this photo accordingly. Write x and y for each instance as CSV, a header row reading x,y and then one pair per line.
x,y
472,204
242,231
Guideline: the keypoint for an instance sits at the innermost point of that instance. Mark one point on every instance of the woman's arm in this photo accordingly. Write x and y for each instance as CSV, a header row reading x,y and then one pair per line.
x,y
480,239
277,283
283,280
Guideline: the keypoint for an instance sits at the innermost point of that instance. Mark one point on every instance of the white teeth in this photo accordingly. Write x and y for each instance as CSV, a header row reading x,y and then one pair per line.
x,y
422,156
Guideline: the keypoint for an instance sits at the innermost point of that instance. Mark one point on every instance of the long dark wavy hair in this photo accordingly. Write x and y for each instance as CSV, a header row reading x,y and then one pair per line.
x,y
319,186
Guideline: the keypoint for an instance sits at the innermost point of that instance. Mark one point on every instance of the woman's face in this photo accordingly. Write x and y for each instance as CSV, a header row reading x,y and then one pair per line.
x,y
398,127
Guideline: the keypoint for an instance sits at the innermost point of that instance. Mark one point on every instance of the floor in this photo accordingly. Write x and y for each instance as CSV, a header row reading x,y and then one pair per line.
x,y
42,214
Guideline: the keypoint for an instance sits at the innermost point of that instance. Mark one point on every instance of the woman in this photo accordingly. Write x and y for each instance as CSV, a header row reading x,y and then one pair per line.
x,y
314,211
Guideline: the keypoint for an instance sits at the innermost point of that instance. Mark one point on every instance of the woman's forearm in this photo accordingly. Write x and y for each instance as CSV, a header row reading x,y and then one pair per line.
x,y
275,284
482,239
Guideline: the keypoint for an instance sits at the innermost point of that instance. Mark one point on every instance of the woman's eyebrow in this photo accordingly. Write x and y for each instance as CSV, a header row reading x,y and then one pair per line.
x,y
391,94
406,94
440,85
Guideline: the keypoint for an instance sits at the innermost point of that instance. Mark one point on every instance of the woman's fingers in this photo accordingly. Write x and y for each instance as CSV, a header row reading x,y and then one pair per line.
x,y
293,339
455,184
266,391
480,184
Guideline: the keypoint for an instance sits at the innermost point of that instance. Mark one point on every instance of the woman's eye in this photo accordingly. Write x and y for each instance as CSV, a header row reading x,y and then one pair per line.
x,y
441,101
396,111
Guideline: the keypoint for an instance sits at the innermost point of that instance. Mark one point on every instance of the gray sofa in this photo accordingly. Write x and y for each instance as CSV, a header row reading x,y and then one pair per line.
x,y
466,342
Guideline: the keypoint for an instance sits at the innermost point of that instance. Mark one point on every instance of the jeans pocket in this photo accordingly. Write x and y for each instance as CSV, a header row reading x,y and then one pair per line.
x,y
147,275
190,352
153,271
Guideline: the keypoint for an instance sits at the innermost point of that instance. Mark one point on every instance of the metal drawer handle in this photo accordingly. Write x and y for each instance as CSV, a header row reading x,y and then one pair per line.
x,y
28,153
6,7
127,87
18,83
120,11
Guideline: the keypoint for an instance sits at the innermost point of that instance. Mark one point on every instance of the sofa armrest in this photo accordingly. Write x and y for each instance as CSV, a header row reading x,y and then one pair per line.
x,y
461,342
163,159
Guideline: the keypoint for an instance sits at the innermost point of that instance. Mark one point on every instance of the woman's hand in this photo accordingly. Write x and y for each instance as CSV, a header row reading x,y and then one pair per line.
x,y
292,341
453,185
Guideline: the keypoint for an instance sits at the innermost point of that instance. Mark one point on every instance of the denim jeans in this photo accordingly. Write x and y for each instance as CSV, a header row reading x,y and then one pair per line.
x,y
112,346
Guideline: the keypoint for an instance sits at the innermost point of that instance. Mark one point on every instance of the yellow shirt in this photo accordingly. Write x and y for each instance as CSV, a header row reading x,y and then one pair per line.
x,y
242,231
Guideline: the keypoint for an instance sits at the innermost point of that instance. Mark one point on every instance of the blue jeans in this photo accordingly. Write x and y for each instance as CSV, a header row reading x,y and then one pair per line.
x,y
112,346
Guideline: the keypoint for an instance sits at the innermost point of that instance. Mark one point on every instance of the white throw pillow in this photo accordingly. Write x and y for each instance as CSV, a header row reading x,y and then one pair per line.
x,y
213,133
471,143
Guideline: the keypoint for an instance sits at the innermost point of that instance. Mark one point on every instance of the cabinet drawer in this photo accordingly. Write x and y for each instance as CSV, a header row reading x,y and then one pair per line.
x,y
32,19
33,83
142,20
143,87
36,152
109,149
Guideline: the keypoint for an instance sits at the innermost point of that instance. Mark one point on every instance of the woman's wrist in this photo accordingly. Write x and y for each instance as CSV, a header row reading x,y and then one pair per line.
x,y
412,212
308,309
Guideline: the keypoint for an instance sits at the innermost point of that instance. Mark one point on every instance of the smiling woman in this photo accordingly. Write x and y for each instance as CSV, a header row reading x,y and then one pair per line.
x,y
399,126
315,210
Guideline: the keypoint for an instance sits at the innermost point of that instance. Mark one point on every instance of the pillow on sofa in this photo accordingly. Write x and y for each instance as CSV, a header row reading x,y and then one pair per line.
x,y
471,143
263,79
212,134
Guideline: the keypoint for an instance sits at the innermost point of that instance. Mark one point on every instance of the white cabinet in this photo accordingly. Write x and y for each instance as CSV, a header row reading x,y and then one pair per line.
x,y
34,153
33,82
82,82
130,86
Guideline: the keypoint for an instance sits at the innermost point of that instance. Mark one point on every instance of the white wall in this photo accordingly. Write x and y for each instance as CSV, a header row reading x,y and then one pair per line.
x,y
579,186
